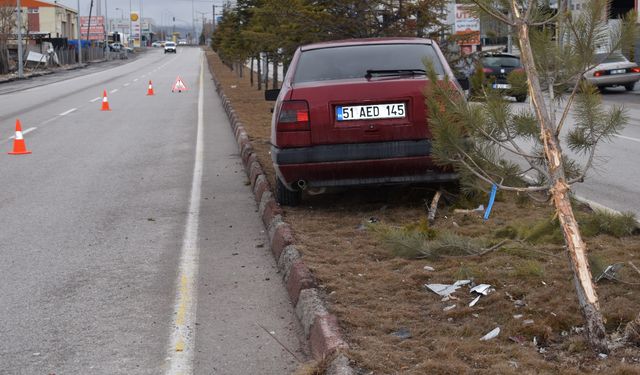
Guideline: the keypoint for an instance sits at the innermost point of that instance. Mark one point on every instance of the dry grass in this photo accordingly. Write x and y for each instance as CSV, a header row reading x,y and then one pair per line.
x,y
375,293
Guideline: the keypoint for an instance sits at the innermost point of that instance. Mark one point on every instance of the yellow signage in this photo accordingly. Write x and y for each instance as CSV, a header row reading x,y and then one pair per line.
x,y
134,17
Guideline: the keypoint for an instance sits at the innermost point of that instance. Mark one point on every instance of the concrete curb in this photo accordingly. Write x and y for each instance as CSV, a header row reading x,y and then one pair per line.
x,y
320,327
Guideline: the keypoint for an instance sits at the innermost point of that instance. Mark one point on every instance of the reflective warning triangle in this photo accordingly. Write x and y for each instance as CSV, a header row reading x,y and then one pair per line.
x,y
179,86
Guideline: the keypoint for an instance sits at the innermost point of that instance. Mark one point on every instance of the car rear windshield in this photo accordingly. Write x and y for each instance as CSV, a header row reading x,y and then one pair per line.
x,y
614,57
354,61
501,61
170,44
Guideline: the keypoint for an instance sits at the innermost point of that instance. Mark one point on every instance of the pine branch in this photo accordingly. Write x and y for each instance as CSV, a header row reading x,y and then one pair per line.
x,y
503,187
497,16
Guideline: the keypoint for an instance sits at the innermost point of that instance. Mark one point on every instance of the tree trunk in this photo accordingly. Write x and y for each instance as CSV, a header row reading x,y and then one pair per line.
x,y
251,71
275,72
266,72
259,72
577,250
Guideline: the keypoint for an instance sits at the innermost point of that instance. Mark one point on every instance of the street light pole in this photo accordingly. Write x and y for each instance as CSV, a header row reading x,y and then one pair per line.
x,y
130,25
20,62
79,39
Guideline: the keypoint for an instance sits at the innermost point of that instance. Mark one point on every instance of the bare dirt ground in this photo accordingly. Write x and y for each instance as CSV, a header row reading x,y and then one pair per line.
x,y
394,325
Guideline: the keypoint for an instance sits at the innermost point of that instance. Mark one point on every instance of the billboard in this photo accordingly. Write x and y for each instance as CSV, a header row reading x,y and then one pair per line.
x,y
93,27
467,25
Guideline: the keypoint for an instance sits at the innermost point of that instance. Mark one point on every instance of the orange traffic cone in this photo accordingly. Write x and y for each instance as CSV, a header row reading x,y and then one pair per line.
x,y
150,90
179,86
105,102
19,147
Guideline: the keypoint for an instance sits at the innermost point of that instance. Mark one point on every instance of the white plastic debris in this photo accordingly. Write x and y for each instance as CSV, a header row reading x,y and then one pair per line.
x,y
429,268
450,307
518,316
473,303
491,335
483,289
445,290
609,273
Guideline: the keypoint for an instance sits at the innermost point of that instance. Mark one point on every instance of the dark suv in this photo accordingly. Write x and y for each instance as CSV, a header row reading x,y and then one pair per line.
x,y
505,73
352,113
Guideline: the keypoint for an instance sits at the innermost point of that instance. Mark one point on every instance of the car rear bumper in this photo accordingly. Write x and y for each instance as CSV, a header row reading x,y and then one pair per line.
x,y
614,80
359,164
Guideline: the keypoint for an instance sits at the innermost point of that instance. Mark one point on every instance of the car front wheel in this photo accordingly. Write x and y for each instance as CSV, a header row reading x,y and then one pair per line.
x,y
630,86
285,196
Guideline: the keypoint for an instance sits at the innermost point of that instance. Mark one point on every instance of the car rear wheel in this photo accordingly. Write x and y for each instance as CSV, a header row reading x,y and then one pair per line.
x,y
521,98
285,196
629,86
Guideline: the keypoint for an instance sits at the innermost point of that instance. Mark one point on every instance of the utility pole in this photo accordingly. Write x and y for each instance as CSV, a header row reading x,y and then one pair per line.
x,y
214,18
79,39
19,15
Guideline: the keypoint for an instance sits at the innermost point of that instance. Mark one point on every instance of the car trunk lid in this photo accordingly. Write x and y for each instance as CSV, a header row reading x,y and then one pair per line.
x,y
371,109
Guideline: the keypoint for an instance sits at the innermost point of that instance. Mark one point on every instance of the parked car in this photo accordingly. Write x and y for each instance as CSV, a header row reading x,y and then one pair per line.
x,y
156,44
352,113
613,70
497,68
116,47
170,47
182,42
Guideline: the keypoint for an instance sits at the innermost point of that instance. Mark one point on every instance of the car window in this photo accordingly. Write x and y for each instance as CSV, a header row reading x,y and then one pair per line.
x,y
170,44
353,61
603,58
501,61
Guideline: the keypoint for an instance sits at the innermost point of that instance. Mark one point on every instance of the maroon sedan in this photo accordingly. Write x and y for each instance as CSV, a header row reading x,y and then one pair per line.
x,y
352,113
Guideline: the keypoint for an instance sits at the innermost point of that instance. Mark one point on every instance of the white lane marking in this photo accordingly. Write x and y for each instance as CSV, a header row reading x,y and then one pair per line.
x,y
628,138
49,120
94,99
24,132
112,91
135,80
67,112
126,84
181,349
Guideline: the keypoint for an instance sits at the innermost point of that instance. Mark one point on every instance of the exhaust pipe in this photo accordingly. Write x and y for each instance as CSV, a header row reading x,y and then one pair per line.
x,y
302,184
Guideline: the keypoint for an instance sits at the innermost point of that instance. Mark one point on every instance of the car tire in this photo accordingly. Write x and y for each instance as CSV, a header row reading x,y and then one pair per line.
x,y
630,86
521,98
286,197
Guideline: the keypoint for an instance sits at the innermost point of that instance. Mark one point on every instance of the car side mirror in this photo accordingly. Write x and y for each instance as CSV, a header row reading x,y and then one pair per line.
x,y
464,83
271,95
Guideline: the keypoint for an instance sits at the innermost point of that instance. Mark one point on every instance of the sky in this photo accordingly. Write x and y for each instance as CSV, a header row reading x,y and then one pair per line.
x,y
162,11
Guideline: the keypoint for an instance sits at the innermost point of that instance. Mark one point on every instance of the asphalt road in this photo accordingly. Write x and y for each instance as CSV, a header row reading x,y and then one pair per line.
x,y
129,242
615,179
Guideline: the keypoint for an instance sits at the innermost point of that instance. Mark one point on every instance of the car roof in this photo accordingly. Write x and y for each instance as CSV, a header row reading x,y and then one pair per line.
x,y
360,42
499,54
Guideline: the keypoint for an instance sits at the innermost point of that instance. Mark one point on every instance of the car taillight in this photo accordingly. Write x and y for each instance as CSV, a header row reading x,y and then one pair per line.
x,y
294,116
487,70
519,70
635,70
598,73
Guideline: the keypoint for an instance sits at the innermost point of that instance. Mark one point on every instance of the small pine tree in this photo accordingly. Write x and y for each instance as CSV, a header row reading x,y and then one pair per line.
x,y
483,140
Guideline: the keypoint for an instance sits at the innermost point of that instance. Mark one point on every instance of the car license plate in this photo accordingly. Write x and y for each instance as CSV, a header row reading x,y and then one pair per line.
x,y
501,86
366,112
618,71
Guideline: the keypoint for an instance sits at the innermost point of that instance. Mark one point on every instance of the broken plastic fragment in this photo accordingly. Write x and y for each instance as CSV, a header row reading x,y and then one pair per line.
x,y
483,289
491,335
473,303
609,273
442,289
445,290
450,307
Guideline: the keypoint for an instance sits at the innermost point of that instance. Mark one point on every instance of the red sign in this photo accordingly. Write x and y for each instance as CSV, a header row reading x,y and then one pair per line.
x,y
95,27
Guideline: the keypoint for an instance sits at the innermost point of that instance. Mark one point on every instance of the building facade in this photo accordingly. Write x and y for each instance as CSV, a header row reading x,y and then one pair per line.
x,y
40,17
